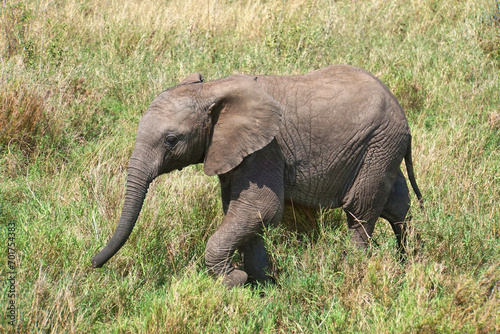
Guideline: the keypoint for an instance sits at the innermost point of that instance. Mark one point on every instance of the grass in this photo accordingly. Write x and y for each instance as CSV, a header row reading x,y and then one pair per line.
x,y
75,78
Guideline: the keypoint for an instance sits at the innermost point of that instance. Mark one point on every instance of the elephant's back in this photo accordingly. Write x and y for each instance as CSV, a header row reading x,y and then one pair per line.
x,y
332,117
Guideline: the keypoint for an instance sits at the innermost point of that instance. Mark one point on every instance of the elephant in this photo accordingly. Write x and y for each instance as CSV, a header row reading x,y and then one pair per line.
x,y
334,137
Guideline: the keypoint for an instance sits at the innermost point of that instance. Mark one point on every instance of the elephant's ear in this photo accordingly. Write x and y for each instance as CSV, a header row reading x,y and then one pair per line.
x,y
191,79
245,118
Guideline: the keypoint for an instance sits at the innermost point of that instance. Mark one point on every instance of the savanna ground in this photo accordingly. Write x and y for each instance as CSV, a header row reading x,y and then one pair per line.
x,y
75,77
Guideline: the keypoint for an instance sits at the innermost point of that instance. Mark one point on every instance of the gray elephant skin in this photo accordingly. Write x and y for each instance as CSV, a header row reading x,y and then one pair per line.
x,y
335,137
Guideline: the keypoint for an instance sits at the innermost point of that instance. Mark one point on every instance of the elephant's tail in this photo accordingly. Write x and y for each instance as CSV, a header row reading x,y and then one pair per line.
x,y
411,175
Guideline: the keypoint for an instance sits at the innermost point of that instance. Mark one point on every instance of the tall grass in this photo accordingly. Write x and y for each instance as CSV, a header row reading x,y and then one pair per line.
x,y
75,77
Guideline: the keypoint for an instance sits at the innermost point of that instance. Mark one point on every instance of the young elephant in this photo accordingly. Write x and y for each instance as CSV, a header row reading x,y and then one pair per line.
x,y
334,137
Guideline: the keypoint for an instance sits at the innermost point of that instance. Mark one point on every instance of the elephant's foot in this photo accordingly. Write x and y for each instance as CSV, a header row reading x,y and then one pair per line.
x,y
235,278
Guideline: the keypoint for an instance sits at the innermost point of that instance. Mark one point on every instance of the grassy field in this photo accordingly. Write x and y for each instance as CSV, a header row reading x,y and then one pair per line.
x,y
75,77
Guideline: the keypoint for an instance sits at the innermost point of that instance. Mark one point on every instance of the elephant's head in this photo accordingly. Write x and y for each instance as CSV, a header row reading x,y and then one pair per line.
x,y
218,123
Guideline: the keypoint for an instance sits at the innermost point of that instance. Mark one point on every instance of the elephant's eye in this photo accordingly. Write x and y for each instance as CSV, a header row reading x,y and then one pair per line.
x,y
171,140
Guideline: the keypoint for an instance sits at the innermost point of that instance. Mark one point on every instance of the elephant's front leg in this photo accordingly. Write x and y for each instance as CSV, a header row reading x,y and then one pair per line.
x,y
220,250
239,230
255,259
255,199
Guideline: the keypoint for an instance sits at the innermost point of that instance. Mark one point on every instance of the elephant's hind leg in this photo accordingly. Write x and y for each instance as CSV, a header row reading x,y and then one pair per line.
x,y
360,228
367,197
396,209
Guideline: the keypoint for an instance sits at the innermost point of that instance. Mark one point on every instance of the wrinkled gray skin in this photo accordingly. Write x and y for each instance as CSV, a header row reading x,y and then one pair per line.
x,y
334,137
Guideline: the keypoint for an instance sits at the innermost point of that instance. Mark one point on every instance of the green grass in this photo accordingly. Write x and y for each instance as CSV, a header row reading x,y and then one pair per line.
x,y
75,78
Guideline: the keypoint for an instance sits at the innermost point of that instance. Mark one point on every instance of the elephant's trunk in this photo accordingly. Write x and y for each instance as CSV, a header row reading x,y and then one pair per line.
x,y
137,187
